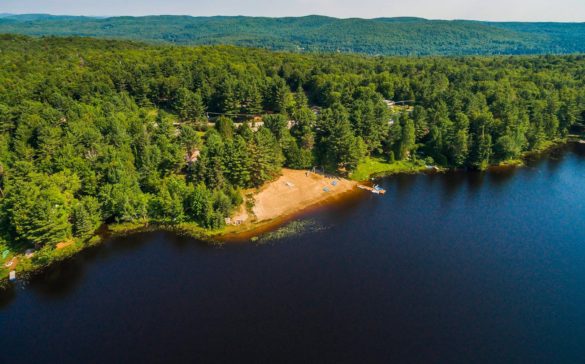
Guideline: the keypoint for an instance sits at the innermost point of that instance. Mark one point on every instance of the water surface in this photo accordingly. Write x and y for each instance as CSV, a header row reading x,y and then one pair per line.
x,y
461,267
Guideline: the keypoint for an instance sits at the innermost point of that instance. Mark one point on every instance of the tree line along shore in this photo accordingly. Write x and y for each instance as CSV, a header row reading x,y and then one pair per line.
x,y
97,132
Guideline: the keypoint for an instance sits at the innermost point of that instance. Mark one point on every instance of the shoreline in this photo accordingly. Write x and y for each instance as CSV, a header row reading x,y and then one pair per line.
x,y
248,231
301,199
242,233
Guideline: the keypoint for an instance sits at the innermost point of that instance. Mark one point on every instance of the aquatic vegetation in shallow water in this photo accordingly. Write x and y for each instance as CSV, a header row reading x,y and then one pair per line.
x,y
294,228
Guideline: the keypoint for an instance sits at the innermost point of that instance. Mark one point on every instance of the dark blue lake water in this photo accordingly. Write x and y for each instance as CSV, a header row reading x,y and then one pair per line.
x,y
462,267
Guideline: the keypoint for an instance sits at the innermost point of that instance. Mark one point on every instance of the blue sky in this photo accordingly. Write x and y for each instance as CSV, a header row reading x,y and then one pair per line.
x,y
521,10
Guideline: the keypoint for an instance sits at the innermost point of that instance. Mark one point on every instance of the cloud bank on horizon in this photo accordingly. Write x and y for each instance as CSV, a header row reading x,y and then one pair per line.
x,y
497,10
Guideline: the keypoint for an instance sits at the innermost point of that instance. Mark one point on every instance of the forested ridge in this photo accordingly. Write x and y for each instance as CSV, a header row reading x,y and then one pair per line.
x,y
95,131
382,36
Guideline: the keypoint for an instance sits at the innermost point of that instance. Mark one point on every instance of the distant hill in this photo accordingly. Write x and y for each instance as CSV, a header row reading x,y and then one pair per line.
x,y
382,36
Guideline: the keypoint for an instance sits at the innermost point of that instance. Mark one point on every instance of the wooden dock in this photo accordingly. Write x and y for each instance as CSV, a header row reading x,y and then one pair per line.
x,y
375,190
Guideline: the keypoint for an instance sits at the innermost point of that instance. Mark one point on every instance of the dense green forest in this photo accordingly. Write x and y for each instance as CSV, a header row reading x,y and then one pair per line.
x,y
383,36
95,131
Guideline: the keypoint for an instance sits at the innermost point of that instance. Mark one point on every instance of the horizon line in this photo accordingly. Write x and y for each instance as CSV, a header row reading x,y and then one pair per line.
x,y
296,16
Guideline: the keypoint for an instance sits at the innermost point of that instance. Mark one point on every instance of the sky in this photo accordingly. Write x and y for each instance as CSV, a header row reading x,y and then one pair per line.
x,y
497,10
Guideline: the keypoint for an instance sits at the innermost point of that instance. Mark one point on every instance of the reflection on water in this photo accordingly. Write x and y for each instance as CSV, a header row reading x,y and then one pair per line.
x,y
6,297
501,177
57,282
447,267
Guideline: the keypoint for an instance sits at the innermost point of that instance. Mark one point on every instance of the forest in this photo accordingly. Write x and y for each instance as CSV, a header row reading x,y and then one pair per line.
x,y
383,36
100,131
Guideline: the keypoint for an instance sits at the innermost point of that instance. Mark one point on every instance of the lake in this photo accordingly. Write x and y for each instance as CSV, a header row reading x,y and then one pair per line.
x,y
462,267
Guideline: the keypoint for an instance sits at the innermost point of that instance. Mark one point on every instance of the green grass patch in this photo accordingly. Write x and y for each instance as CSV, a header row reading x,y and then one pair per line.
x,y
126,227
511,163
376,166
546,145
193,230
186,228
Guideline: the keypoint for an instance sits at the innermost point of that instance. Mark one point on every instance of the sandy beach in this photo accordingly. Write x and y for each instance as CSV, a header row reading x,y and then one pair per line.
x,y
296,190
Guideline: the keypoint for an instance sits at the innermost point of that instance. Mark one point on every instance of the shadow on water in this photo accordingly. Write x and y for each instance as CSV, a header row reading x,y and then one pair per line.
x,y
55,282
451,183
579,150
402,185
475,181
7,297
552,159
500,177
182,243
60,280
553,163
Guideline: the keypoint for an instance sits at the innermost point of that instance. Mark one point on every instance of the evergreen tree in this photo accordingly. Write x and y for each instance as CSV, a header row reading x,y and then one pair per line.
x,y
253,102
225,127
345,150
86,216
237,162
266,157
189,105
277,124
227,99
278,96
407,140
